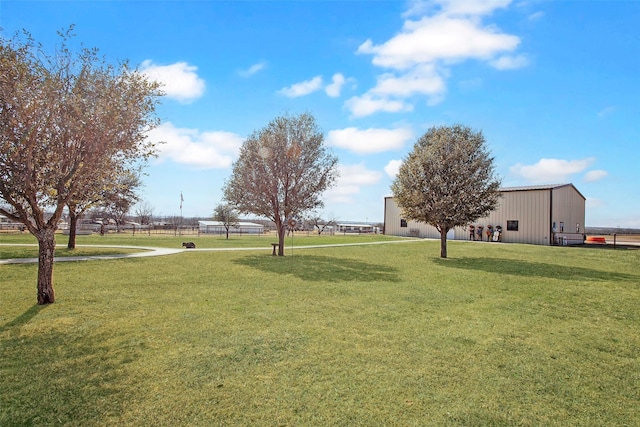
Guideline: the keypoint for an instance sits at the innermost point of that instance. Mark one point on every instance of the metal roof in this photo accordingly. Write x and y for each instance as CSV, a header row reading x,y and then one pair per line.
x,y
540,187
239,224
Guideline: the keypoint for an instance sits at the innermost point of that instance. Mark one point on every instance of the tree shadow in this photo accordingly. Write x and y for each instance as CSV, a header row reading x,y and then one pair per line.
x,y
14,326
51,377
322,268
524,268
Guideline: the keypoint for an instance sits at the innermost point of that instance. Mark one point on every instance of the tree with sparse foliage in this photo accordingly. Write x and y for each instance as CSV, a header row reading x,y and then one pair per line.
x,y
226,215
144,212
282,171
118,199
106,195
448,180
320,224
68,121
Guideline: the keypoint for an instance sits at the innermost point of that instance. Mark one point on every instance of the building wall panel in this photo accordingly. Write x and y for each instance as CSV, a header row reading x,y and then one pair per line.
x,y
568,210
535,209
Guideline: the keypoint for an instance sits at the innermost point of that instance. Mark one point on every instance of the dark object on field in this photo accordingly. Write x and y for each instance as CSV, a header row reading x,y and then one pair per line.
x,y
189,245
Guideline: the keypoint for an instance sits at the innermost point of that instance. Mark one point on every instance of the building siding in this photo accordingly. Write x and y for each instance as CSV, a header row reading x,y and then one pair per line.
x,y
217,227
566,209
534,208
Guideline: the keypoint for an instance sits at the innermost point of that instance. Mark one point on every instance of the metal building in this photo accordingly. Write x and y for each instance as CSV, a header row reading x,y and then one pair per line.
x,y
217,227
540,215
348,227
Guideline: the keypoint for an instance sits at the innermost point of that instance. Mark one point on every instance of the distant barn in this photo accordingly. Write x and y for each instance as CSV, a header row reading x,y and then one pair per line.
x,y
540,215
217,227
356,228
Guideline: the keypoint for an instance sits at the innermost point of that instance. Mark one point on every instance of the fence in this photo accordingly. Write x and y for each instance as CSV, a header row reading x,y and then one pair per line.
x,y
8,227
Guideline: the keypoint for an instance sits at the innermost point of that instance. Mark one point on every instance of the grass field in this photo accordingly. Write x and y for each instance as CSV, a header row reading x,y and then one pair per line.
x,y
202,241
498,334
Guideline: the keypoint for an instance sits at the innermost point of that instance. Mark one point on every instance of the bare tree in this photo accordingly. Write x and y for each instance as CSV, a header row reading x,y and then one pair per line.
x,y
103,195
447,180
144,212
67,122
226,215
320,224
118,199
282,171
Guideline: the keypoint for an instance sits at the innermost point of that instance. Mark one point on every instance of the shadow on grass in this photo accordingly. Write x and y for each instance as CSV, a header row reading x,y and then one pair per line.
x,y
322,268
50,377
15,325
533,269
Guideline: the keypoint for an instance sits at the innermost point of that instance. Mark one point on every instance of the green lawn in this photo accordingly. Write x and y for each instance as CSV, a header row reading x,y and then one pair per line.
x,y
202,241
31,251
362,335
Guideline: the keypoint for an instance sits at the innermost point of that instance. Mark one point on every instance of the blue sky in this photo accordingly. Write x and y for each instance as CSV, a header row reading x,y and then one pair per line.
x,y
553,86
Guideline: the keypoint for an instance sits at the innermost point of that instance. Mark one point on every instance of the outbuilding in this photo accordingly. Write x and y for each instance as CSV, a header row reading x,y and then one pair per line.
x,y
356,228
217,227
540,215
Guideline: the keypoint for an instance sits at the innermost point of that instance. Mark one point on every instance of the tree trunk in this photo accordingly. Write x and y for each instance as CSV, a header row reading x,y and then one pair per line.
x,y
227,232
443,243
73,224
281,236
47,246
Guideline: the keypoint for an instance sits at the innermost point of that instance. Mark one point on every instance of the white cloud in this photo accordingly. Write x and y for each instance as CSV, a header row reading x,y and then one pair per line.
x,y
595,175
302,88
306,87
392,168
423,79
180,80
372,140
253,69
506,62
359,174
445,32
551,171
366,105
352,178
333,89
206,150
417,8
342,193
392,88
439,38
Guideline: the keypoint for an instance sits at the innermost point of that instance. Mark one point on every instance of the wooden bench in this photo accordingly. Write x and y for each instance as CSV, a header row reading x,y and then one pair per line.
x,y
275,245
